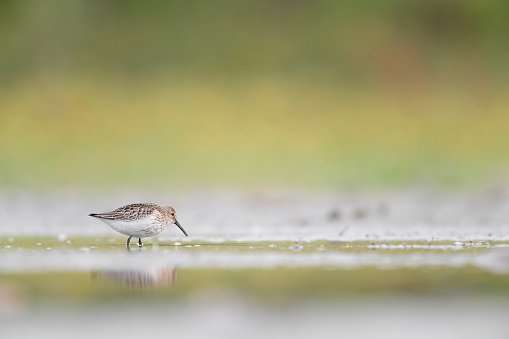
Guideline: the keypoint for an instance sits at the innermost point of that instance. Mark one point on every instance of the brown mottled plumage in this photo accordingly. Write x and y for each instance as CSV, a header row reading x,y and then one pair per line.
x,y
140,220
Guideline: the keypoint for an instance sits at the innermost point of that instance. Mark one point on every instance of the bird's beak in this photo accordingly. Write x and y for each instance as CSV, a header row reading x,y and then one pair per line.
x,y
181,228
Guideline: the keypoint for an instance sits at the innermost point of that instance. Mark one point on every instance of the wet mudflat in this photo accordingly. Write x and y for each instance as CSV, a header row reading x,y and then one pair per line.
x,y
51,285
396,265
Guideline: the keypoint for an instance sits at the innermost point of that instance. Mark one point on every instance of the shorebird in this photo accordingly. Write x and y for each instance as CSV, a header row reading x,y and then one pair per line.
x,y
140,220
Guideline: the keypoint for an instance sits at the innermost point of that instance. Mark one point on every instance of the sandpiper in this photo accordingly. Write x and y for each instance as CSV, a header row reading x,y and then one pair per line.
x,y
140,220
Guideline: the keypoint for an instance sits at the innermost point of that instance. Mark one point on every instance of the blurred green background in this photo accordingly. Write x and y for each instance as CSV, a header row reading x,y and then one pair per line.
x,y
323,94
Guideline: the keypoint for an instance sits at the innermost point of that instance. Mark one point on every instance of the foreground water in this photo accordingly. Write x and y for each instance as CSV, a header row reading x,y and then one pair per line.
x,y
96,287
413,264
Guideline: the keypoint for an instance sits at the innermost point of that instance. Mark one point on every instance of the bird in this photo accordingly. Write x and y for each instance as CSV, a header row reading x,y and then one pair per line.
x,y
140,220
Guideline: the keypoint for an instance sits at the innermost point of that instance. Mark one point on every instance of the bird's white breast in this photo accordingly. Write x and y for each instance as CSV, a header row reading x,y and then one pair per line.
x,y
140,228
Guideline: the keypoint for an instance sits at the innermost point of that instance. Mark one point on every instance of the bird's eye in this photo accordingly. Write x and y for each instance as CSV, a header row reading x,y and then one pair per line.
x,y
173,214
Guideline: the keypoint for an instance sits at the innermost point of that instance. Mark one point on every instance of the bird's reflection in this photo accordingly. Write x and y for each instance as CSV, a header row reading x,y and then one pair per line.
x,y
142,278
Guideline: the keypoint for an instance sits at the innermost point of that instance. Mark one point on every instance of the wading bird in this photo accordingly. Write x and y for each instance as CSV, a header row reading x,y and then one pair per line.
x,y
140,220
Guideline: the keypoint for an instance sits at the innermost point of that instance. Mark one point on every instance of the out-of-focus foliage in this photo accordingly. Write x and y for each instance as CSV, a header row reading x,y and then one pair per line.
x,y
327,93
393,40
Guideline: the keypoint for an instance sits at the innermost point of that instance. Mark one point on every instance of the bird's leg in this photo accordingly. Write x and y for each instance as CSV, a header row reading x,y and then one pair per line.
x,y
139,242
129,240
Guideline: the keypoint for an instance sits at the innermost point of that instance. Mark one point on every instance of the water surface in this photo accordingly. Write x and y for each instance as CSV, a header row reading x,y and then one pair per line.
x,y
413,264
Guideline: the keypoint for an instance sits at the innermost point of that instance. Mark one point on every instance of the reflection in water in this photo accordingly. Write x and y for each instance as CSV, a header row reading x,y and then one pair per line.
x,y
154,277
13,299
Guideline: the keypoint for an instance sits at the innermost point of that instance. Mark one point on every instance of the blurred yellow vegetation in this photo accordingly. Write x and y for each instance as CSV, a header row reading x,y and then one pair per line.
x,y
260,131
256,93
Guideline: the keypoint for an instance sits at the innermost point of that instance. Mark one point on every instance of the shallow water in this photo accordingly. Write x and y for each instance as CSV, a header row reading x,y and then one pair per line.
x,y
229,289
26,255
272,216
299,265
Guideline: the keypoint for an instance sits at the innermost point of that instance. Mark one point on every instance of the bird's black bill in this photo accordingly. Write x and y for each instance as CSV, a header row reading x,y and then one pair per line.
x,y
181,228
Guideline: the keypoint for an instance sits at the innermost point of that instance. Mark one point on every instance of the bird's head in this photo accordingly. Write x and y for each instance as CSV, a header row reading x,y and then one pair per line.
x,y
171,216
